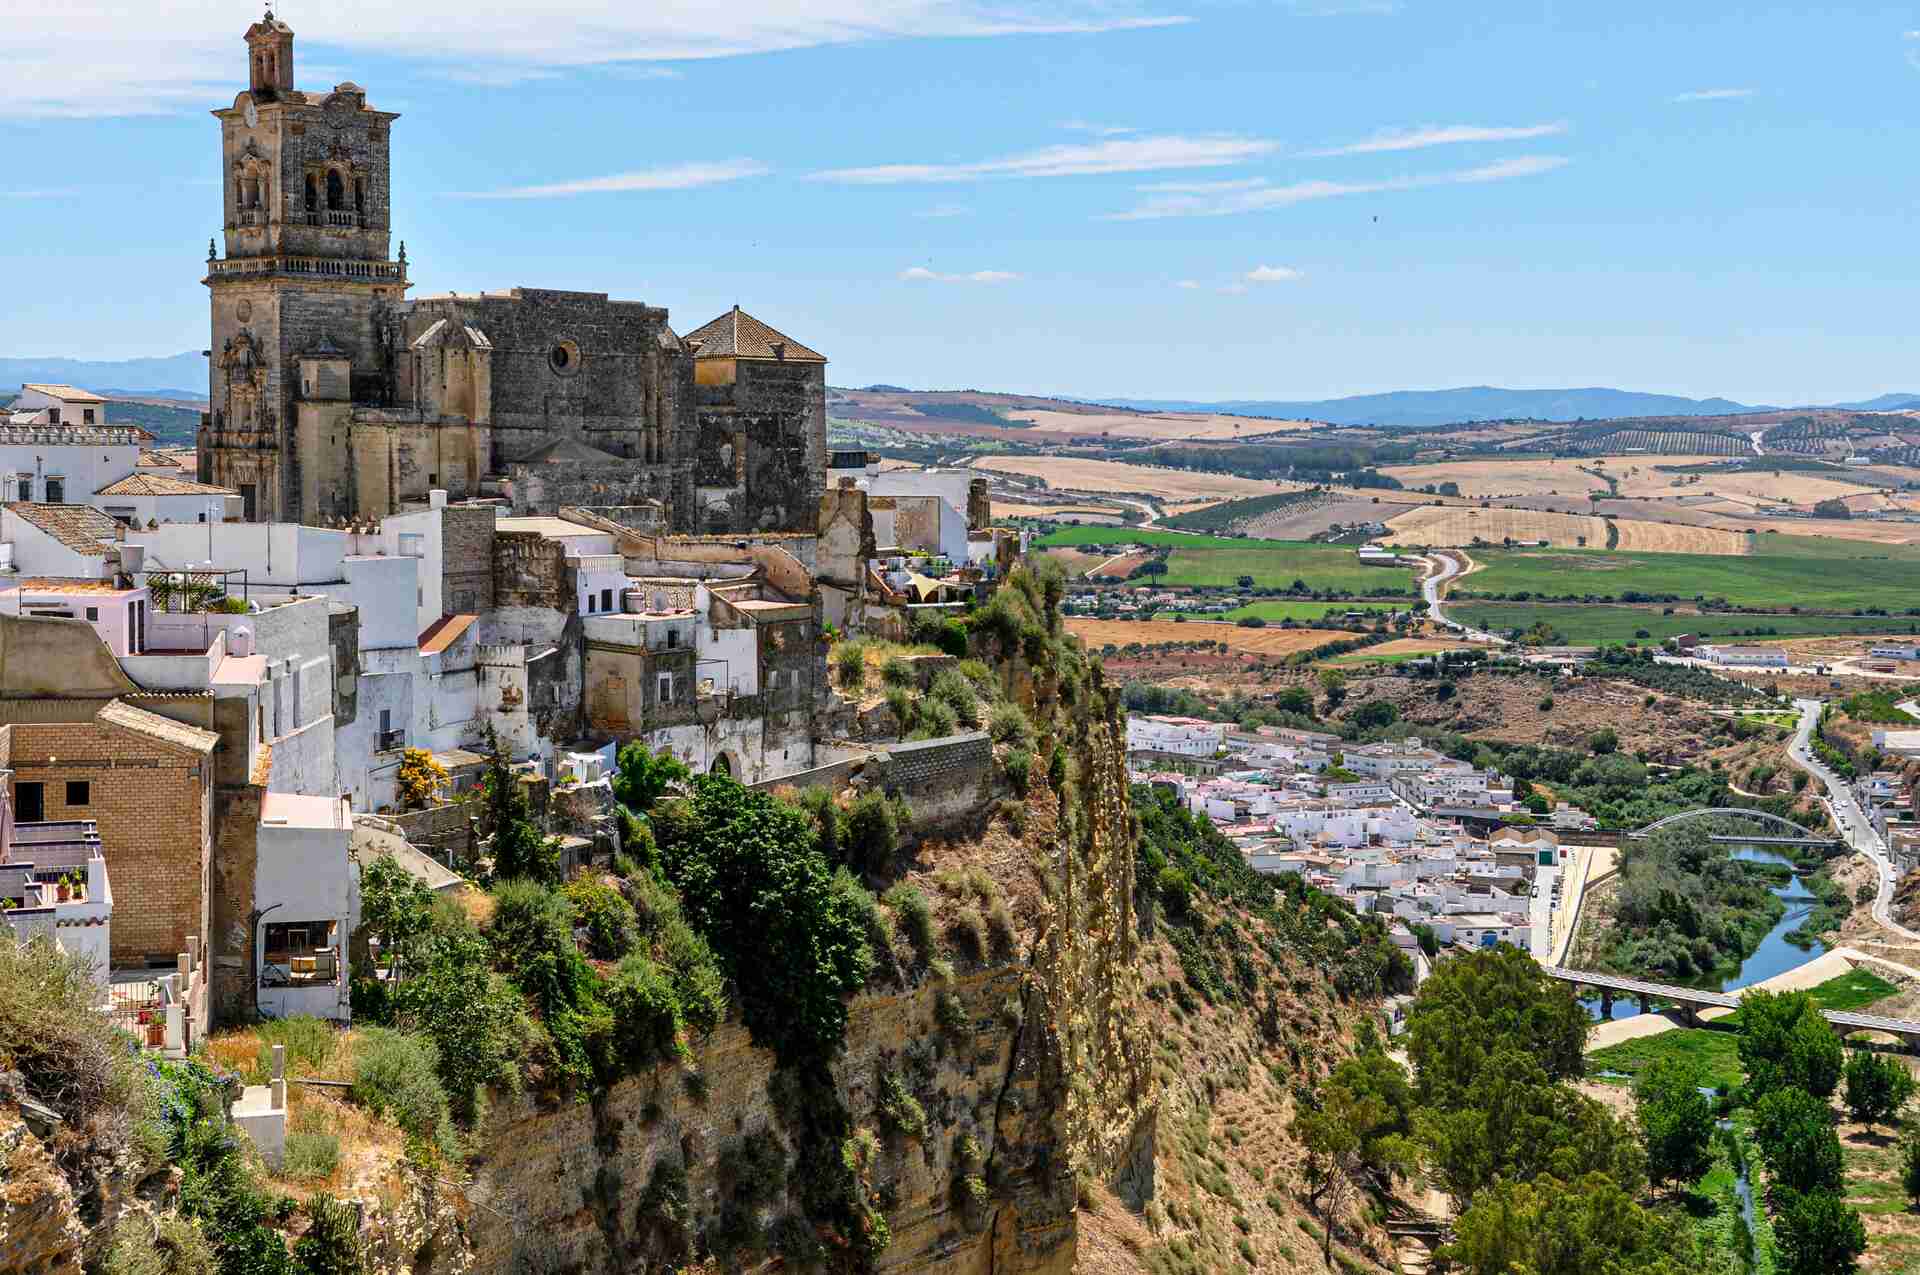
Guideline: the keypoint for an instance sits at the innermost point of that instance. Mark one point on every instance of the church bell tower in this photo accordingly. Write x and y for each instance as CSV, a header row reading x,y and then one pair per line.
x,y
306,203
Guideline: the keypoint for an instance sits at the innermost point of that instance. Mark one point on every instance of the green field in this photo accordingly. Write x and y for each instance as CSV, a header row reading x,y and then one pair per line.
x,y
1304,612
1276,564
1602,623
1073,537
1856,989
1783,571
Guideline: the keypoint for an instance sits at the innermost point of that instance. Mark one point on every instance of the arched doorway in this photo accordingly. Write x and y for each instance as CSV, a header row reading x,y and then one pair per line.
x,y
721,766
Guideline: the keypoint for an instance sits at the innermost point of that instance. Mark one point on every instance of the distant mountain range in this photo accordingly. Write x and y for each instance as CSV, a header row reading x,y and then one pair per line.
x,y
174,376
1487,403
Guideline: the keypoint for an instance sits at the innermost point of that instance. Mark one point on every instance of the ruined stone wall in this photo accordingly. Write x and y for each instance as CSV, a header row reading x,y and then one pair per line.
x,y
466,556
944,781
545,487
763,436
530,570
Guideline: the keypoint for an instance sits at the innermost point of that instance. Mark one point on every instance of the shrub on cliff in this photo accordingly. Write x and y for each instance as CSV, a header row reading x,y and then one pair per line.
x,y
398,1076
608,918
953,689
753,882
872,833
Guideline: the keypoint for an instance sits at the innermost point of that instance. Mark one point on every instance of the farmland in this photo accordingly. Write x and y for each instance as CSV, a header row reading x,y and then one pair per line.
x,y
1099,633
1277,564
1593,624
1275,612
1876,576
1566,476
1067,473
1464,524
1138,536
1156,425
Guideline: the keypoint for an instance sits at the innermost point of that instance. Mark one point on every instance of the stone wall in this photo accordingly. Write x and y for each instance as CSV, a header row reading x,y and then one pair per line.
x,y
466,558
235,861
944,781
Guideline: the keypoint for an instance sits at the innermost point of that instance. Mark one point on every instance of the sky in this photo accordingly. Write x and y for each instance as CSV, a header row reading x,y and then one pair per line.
x,y
1204,199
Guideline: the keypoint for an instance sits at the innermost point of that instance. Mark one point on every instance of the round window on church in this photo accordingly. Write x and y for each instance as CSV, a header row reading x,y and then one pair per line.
x,y
564,358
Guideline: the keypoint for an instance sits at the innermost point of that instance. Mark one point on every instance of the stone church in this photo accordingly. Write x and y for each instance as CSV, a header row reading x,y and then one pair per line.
x,y
335,396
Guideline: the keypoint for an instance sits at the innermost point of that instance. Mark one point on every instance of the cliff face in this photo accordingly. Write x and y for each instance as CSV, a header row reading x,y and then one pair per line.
x,y
1030,1072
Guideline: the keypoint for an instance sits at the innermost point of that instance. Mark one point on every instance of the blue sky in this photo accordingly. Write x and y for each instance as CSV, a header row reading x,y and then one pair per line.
x,y
1150,198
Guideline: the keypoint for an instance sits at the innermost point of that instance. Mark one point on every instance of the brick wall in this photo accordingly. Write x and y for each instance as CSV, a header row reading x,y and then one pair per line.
x,y
151,801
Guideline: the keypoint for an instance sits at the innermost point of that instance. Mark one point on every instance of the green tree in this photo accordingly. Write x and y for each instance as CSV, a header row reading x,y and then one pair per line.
x,y
517,846
1588,1226
1877,1087
1330,1137
474,1017
1484,1003
1373,1089
1513,1122
1334,683
1676,1121
1910,1165
1784,1042
754,884
1816,1233
396,908
1796,1137
1603,741
1295,699
642,776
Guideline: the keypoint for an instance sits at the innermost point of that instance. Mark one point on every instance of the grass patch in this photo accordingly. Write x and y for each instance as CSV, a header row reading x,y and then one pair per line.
x,y
1309,613
1717,1053
1073,537
1277,564
1876,576
1856,989
1588,624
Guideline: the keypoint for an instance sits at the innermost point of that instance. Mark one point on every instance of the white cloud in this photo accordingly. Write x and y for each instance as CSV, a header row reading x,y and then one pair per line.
x,y
1099,130
1202,188
945,210
1264,197
920,274
157,59
1711,95
1119,155
1273,274
1413,139
673,177
1189,285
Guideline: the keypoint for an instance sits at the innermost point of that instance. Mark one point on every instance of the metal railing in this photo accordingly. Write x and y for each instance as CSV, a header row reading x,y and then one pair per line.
x,y
392,741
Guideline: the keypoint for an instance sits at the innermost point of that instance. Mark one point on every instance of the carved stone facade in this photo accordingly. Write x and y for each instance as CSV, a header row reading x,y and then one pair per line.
x,y
334,397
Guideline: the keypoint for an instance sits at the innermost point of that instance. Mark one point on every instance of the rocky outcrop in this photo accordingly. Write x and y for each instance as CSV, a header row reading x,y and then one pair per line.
x,y
40,1228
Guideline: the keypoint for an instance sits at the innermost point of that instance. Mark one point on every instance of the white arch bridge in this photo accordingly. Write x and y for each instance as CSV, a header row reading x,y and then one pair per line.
x,y
1793,835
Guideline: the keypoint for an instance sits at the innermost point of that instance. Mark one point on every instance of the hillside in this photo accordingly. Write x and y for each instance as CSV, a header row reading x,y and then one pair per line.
x,y
174,375
1474,403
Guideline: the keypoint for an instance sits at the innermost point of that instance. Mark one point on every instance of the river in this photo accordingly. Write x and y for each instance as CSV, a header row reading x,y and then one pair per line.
x,y
1774,955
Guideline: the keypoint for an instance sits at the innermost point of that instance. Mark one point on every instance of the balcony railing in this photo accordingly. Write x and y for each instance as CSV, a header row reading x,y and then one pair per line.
x,y
340,218
392,741
336,267
250,217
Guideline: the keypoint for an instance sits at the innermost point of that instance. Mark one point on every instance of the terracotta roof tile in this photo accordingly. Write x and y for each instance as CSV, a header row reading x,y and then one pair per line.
x,y
122,714
81,528
738,335
137,484
444,632
66,393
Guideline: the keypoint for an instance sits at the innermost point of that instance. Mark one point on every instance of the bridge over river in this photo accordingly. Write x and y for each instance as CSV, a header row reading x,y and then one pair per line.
x,y
1691,1000
1694,999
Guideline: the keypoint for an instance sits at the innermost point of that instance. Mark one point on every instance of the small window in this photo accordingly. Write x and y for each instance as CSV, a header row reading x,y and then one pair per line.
x,y
86,415
673,638
30,802
606,599
666,688
79,792
93,614
56,490
53,416
299,952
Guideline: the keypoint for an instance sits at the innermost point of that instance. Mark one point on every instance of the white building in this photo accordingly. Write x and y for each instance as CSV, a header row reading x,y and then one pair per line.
x,y
1744,656
1390,760
307,897
142,498
1896,651
1185,736
56,540
56,445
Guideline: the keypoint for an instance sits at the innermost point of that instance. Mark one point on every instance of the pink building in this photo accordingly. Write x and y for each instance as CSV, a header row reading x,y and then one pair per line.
x,y
118,615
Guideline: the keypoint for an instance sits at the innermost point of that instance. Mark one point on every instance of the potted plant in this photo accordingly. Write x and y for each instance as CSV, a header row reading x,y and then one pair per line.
x,y
63,889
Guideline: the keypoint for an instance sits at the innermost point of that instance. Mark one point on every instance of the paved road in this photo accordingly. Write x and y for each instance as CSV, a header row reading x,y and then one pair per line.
x,y
1447,568
1854,826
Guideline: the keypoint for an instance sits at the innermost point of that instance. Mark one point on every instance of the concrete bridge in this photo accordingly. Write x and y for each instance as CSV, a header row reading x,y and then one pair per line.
x,y
1824,843
1692,1000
